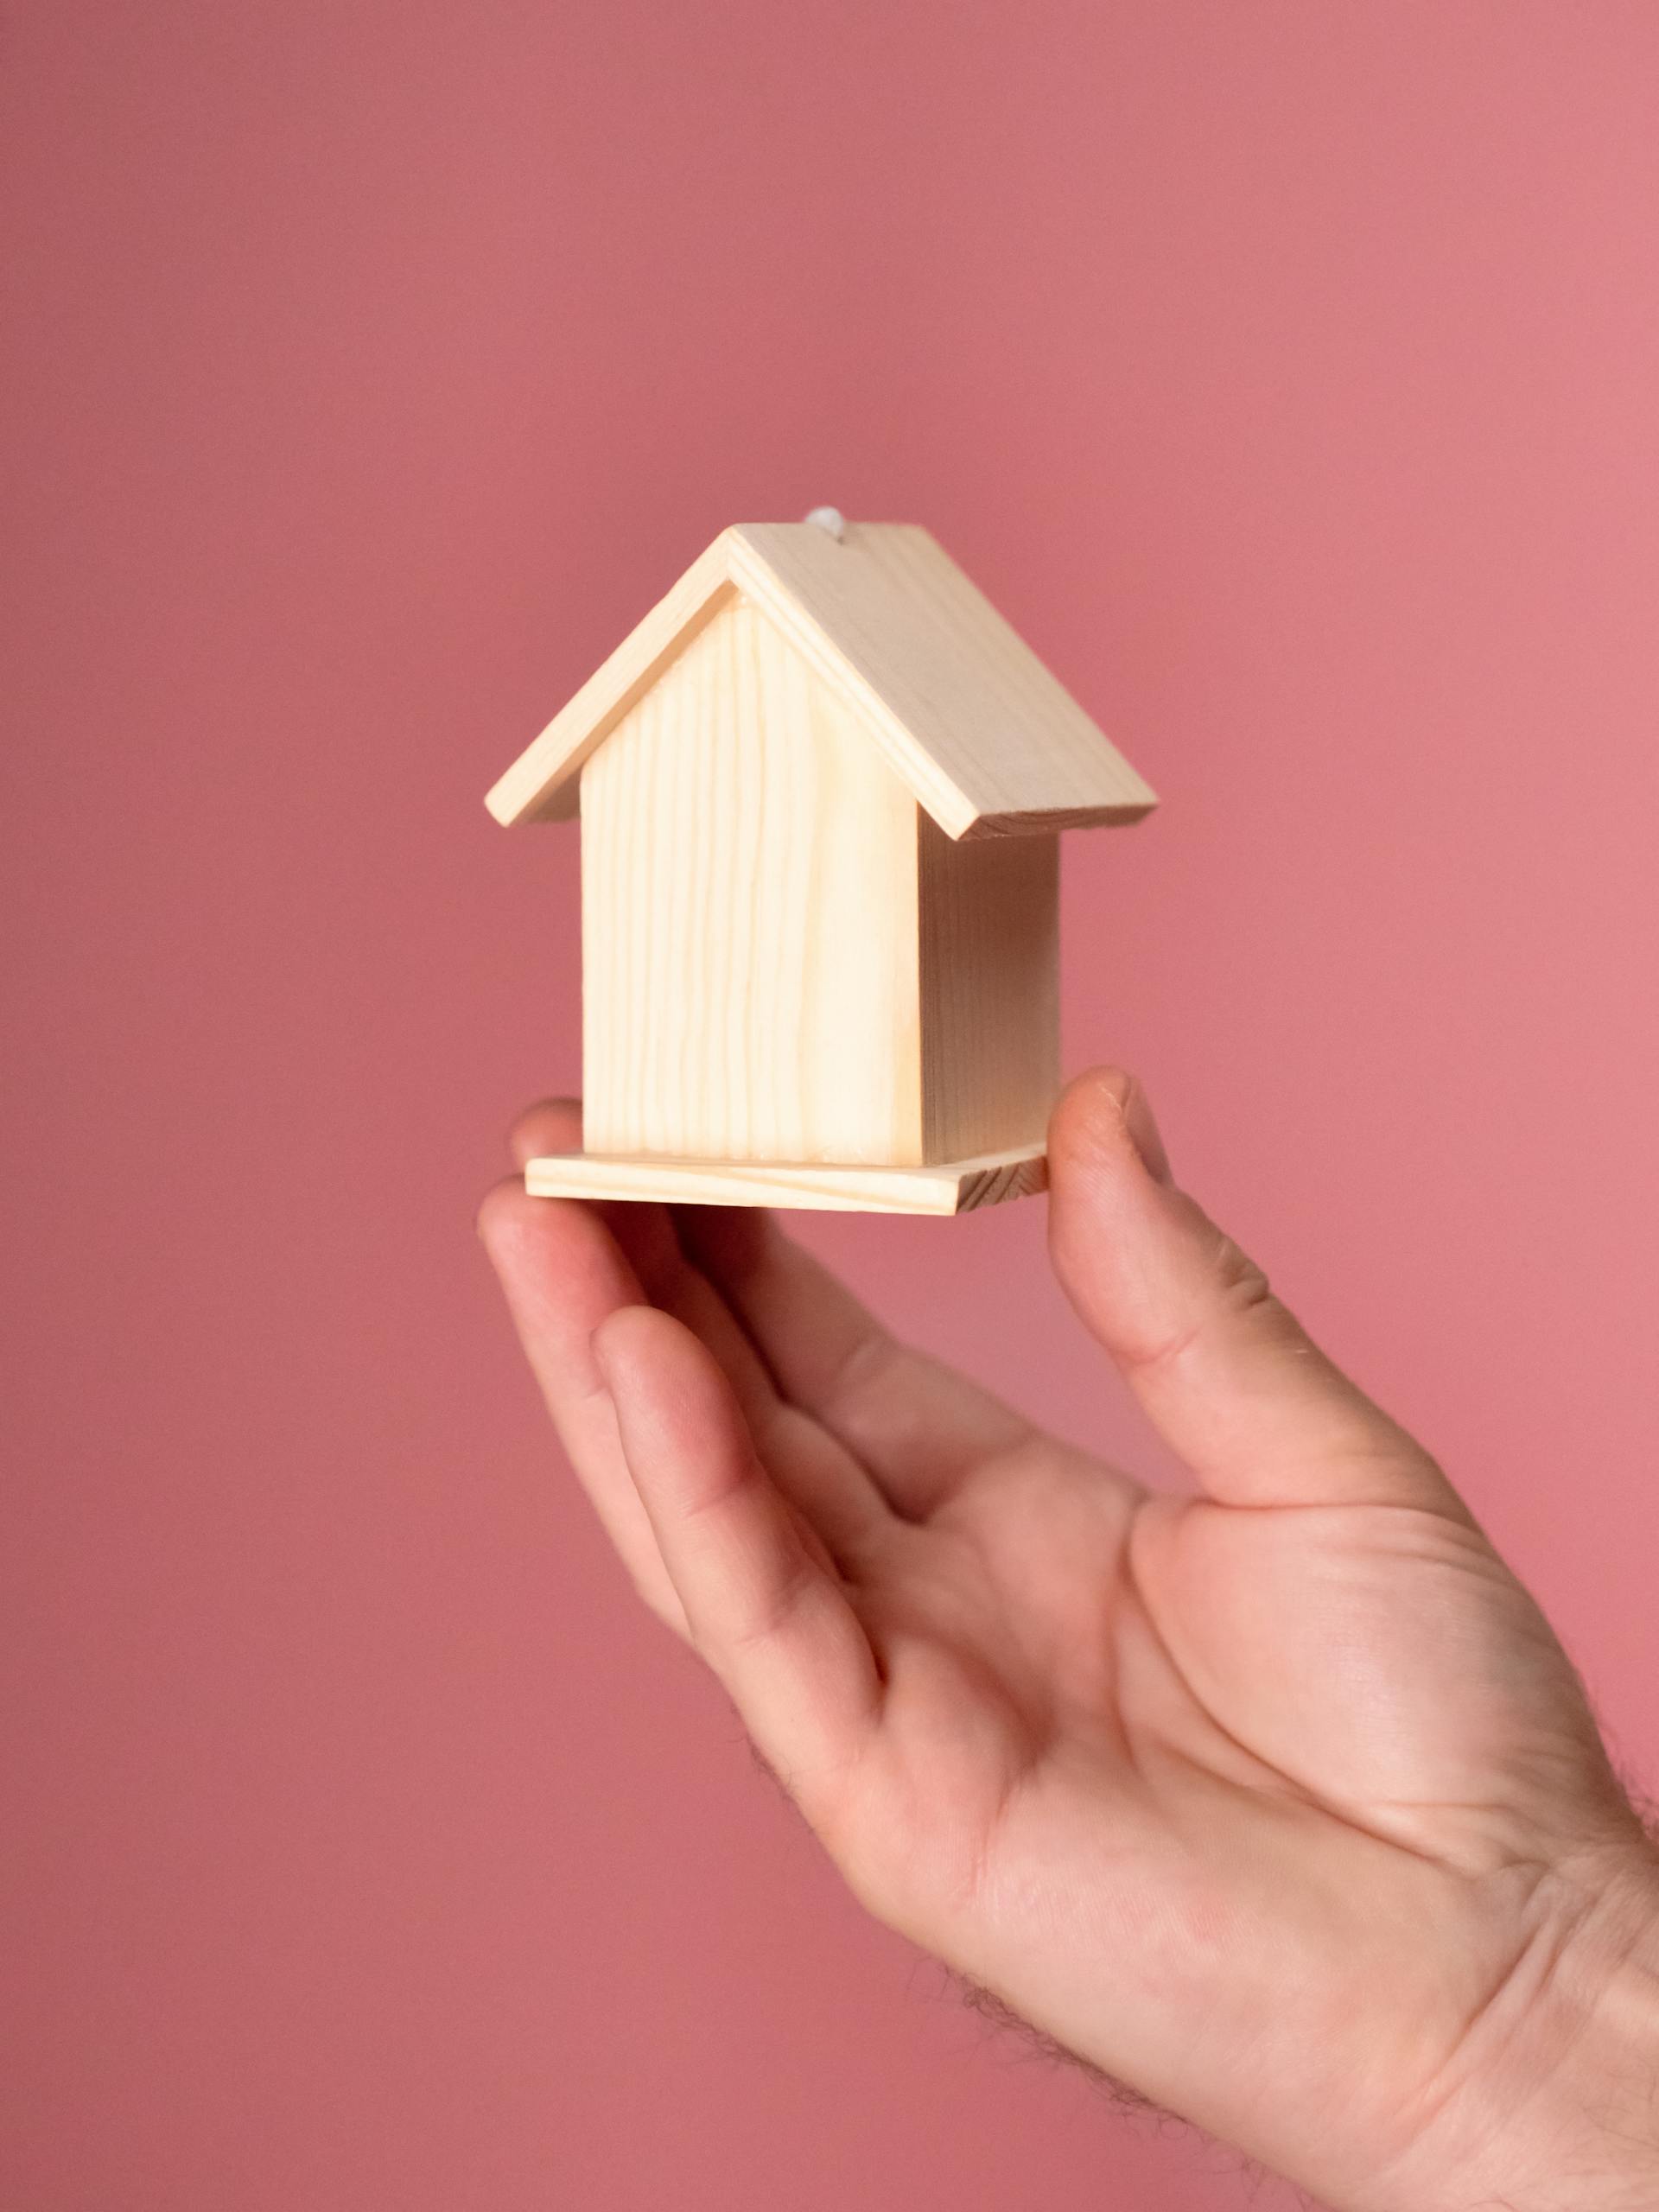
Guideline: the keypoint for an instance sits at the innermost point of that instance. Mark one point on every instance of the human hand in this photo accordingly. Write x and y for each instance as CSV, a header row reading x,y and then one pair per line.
x,y
1280,1802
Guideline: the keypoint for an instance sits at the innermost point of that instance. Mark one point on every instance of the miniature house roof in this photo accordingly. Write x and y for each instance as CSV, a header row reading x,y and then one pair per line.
x,y
970,721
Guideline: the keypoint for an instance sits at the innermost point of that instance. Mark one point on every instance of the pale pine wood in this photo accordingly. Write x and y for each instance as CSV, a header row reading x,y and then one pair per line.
x,y
979,731
541,785
989,742
946,1187
750,936
820,786
990,916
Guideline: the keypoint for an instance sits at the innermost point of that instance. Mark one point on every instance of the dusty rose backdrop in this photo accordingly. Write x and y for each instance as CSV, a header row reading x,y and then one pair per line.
x,y
1288,373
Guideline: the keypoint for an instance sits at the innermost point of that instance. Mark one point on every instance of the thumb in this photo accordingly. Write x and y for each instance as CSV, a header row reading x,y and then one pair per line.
x,y
1225,1373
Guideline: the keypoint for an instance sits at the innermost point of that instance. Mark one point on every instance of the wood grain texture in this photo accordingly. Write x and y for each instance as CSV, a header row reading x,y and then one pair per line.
x,y
985,739
947,1187
541,785
750,934
990,928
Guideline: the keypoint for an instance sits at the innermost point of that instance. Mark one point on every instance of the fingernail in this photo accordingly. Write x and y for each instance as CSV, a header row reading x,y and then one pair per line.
x,y
1136,1116
1144,1134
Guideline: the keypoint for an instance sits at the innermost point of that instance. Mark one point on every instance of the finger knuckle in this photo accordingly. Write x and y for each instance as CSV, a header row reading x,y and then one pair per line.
x,y
1237,1280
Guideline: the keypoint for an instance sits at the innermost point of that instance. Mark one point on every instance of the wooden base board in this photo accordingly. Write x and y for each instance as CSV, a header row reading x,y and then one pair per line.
x,y
943,1187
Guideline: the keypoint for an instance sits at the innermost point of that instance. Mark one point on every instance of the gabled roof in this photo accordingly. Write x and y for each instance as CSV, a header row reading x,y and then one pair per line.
x,y
989,742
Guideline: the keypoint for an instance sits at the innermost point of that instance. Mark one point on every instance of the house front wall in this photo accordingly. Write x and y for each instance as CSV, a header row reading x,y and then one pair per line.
x,y
750,941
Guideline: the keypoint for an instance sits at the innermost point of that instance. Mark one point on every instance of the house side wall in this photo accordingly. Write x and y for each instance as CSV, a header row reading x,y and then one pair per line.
x,y
750,938
990,990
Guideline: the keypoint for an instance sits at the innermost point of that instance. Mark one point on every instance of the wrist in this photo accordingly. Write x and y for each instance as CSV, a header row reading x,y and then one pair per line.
x,y
1556,2106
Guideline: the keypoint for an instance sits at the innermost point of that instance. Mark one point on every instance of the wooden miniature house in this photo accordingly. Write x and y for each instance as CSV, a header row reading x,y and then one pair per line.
x,y
821,789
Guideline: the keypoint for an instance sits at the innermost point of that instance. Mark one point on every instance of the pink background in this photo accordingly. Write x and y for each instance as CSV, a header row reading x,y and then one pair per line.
x,y
1290,374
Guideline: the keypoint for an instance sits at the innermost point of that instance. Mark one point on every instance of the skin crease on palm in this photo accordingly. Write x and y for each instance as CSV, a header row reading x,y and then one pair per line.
x,y
1279,1801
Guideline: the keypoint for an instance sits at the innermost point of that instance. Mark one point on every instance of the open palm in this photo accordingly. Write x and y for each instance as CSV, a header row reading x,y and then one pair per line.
x,y
1280,1802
